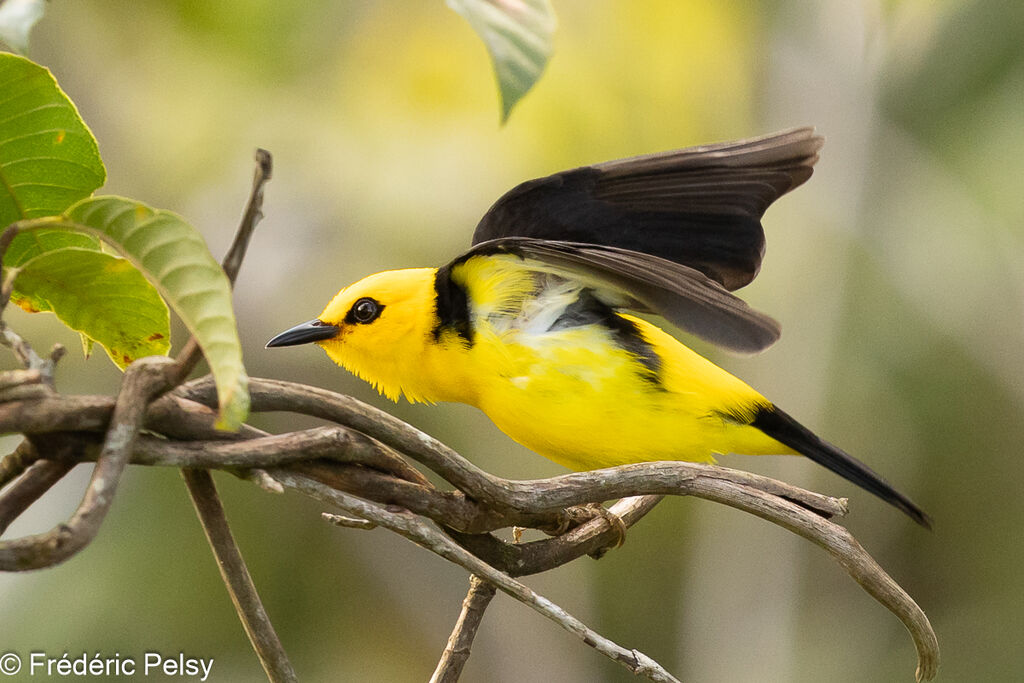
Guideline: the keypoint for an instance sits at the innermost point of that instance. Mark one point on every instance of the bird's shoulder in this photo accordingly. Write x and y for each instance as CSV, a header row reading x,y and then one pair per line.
x,y
513,300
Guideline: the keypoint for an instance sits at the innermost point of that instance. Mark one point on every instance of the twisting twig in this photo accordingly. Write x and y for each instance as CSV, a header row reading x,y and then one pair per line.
x,y
456,651
13,464
454,509
191,354
523,496
37,479
142,380
426,536
841,544
236,577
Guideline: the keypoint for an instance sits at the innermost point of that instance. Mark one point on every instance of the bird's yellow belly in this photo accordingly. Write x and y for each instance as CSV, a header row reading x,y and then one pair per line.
x,y
587,404
584,429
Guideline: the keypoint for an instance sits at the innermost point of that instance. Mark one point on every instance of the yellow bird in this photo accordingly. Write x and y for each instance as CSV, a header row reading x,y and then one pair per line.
x,y
531,325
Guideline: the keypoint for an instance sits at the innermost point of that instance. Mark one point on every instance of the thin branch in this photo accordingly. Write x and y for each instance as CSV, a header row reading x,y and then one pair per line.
x,y
525,496
142,380
335,443
456,651
251,217
841,544
200,484
191,354
13,464
47,412
800,511
534,557
37,479
237,578
426,536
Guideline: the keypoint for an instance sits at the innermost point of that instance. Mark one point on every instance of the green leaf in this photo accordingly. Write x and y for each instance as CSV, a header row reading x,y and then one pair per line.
x,y
17,17
517,34
173,256
32,243
103,297
48,157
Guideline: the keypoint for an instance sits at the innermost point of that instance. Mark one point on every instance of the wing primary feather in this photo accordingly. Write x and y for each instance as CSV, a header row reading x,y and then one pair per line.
x,y
700,207
641,282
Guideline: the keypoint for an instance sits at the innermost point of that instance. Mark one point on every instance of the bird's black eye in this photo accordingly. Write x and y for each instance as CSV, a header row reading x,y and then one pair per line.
x,y
365,310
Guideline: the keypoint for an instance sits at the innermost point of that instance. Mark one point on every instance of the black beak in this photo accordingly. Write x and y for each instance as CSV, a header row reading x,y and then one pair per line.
x,y
309,331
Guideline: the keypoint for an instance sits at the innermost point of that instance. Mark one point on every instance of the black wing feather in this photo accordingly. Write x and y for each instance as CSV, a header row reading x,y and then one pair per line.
x,y
700,207
628,279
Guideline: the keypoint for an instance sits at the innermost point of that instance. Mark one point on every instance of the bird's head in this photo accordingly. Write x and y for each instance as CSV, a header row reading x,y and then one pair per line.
x,y
376,328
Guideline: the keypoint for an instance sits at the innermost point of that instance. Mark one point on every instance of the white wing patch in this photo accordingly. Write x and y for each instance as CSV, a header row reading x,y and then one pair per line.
x,y
509,295
554,295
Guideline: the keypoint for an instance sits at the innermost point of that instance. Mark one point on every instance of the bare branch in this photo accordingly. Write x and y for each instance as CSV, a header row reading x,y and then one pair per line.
x,y
426,536
547,495
29,358
142,380
251,217
236,577
534,557
848,552
456,651
46,412
37,479
354,462
191,354
13,464
200,482
335,443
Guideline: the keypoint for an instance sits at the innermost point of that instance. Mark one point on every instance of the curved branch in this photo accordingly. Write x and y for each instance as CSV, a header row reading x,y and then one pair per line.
x,y
842,546
38,478
142,380
422,534
359,463
538,496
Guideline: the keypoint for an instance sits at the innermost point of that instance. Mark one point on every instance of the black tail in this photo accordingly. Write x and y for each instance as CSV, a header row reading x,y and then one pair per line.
x,y
784,429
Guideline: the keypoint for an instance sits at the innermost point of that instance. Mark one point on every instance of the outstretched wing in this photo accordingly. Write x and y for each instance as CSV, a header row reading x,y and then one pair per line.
x,y
699,207
624,279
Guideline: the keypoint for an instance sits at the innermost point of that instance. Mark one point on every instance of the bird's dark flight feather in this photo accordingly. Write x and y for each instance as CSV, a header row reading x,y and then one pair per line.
x,y
633,280
700,207
784,429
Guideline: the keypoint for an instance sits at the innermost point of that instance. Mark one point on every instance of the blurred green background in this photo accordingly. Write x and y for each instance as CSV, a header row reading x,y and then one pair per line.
x,y
895,272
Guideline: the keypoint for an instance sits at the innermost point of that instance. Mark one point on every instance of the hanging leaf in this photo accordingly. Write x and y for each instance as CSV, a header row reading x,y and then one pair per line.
x,y
103,297
48,157
517,34
172,255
